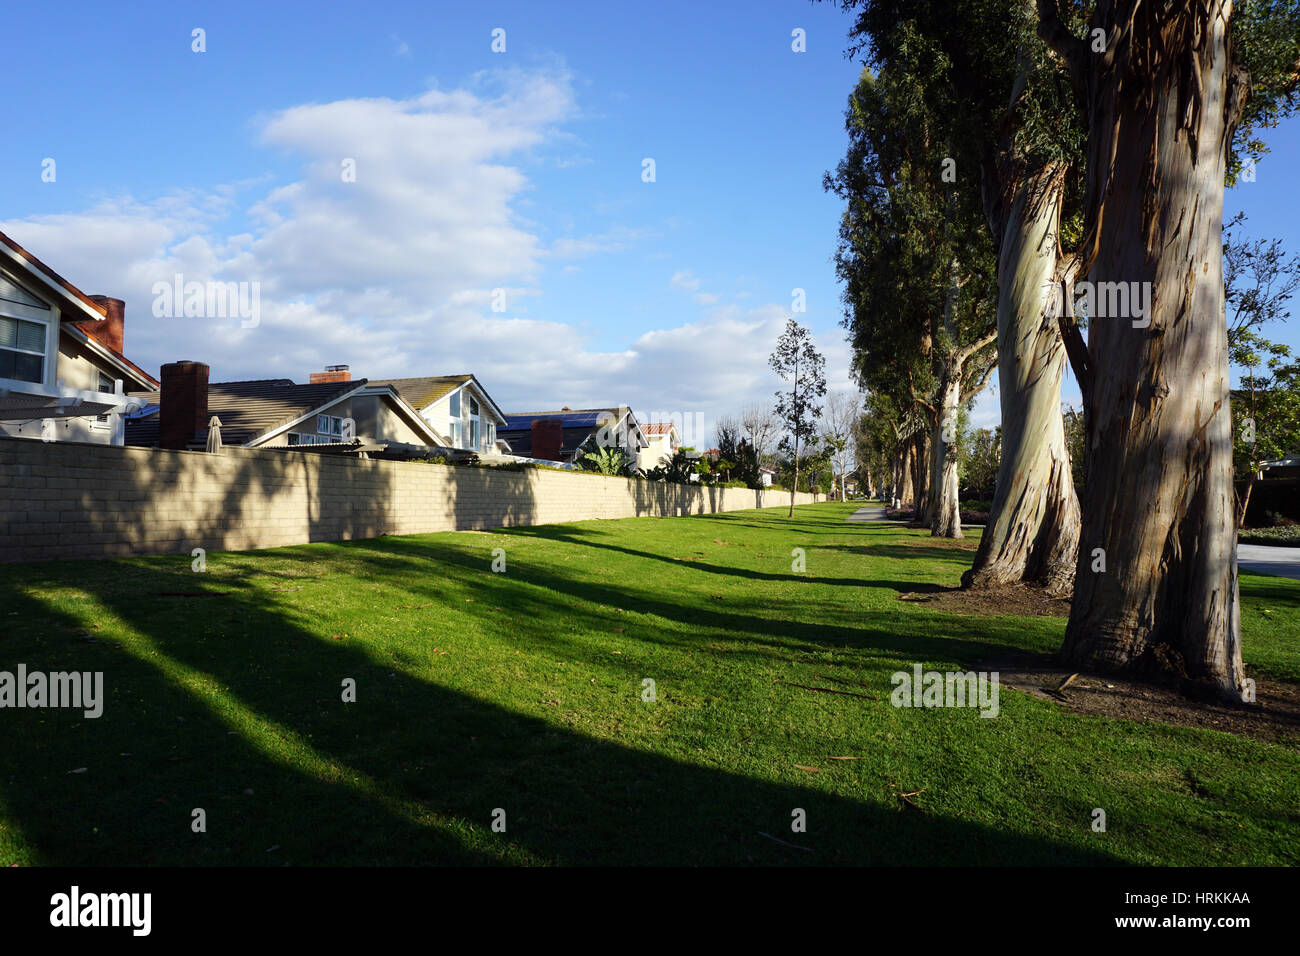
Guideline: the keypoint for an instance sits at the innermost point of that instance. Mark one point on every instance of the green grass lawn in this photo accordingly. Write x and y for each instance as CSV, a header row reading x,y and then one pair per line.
x,y
523,690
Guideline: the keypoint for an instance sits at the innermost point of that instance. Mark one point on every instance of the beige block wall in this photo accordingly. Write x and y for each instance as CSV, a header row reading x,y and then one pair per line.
x,y
62,500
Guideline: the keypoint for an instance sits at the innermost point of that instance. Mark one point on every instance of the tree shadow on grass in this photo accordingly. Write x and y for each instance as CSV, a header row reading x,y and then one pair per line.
x,y
550,588
904,552
1269,588
411,773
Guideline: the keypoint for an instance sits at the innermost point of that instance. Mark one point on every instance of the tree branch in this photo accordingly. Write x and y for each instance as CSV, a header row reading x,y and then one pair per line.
x,y
1053,32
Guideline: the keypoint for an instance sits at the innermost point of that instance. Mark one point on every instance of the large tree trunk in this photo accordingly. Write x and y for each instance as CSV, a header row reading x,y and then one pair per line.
x,y
1033,529
945,514
1158,505
903,490
920,474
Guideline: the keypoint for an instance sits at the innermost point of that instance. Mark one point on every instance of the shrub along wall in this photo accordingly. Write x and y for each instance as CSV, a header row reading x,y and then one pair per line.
x,y
64,500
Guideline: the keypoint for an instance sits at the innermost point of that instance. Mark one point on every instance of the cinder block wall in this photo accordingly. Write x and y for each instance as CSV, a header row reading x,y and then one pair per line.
x,y
63,500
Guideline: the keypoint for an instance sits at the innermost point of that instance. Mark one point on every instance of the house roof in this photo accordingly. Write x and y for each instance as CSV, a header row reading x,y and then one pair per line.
x,y
249,410
577,426
112,355
422,392
62,288
82,307
659,428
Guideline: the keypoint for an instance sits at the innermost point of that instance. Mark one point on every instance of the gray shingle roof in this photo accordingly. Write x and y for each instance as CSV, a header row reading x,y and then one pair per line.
x,y
248,409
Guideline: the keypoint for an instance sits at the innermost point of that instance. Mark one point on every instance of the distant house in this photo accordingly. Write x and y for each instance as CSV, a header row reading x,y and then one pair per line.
x,y
457,406
1288,467
662,441
63,376
558,435
766,476
332,410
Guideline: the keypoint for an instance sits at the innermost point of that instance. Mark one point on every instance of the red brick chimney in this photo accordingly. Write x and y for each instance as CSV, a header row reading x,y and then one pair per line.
x,y
547,438
112,330
184,403
332,373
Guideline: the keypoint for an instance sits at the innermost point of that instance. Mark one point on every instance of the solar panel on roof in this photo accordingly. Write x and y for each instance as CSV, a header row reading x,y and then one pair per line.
x,y
566,419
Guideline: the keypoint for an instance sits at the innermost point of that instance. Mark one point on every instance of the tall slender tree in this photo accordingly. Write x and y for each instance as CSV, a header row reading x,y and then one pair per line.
x,y
798,362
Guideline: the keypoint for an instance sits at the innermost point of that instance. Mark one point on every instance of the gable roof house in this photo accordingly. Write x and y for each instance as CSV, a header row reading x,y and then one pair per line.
x,y
457,407
557,436
663,439
330,413
63,376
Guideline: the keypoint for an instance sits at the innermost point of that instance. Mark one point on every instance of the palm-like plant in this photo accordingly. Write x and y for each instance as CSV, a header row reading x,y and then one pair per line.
x,y
607,461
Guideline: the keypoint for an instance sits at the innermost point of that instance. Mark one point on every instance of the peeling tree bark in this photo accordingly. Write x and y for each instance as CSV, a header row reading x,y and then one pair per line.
x,y
1033,529
945,513
1161,103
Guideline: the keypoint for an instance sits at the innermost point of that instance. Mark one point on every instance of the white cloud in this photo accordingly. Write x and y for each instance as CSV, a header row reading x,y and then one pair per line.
x,y
684,280
392,274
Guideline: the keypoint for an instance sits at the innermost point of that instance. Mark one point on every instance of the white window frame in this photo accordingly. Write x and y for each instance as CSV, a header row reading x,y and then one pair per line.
x,y
49,362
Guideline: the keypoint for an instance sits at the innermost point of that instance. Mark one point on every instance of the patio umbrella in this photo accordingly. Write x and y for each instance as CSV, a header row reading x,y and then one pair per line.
x,y
214,434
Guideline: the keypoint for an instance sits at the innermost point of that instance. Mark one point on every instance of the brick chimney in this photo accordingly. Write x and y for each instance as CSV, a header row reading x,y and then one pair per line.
x,y
332,373
184,403
111,331
547,438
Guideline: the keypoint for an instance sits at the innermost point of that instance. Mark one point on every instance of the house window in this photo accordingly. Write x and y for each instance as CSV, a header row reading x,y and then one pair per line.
x,y
329,429
22,350
455,433
473,423
454,405
106,384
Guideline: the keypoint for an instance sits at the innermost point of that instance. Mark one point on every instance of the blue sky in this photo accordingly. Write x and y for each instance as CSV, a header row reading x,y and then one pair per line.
x,y
475,171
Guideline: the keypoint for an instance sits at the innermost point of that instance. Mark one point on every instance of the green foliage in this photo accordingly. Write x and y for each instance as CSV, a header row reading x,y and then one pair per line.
x,y
738,461
1267,38
981,456
606,461
677,469
1288,536
1076,442
1267,409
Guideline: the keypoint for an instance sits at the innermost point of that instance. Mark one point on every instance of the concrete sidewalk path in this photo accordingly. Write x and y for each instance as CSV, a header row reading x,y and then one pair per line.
x,y
1269,559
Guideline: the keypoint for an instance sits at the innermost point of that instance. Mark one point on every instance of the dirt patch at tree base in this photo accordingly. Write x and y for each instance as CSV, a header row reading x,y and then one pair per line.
x,y
1273,718
1020,600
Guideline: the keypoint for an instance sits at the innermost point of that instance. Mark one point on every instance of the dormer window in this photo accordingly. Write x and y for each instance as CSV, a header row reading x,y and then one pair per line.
x,y
22,350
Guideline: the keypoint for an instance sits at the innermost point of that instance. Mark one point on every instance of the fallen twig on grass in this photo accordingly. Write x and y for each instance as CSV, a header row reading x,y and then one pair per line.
x,y
907,798
846,683
792,846
828,690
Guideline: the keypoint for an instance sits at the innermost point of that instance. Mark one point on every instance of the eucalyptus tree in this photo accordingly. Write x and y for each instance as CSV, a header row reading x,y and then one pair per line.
x,y
917,269
1172,94
1015,143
